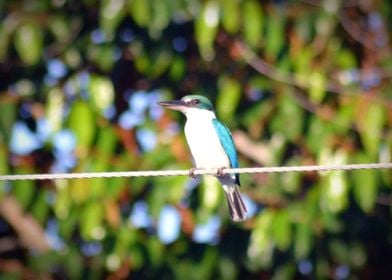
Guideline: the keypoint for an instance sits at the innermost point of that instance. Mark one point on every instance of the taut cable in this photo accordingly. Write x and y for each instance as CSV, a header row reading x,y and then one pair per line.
x,y
213,171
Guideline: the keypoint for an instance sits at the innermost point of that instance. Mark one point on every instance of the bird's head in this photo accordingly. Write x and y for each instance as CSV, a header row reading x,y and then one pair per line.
x,y
189,103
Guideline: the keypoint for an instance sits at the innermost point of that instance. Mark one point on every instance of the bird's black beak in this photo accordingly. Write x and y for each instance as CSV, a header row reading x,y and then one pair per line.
x,y
173,104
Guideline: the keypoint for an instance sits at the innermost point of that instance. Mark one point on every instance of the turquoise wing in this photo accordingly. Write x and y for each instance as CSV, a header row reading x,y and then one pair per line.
x,y
228,145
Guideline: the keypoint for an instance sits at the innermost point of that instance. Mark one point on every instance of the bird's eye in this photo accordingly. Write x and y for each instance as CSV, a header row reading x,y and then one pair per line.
x,y
195,101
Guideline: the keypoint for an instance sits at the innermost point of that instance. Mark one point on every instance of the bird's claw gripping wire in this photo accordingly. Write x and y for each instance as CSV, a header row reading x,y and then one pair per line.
x,y
219,172
192,173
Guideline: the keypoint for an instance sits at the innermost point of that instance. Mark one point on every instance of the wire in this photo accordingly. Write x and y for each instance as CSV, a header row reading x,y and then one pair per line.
x,y
212,171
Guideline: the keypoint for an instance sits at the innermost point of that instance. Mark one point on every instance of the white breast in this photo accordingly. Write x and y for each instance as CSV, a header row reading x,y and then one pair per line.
x,y
203,141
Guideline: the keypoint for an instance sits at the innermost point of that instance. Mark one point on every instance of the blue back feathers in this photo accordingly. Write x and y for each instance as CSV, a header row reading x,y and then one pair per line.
x,y
228,145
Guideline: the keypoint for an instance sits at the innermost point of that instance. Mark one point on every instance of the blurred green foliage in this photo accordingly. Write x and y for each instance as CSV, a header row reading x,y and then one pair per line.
x,y
298,82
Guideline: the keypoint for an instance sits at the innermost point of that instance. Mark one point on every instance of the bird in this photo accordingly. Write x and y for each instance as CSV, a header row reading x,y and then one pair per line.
x,y
211,145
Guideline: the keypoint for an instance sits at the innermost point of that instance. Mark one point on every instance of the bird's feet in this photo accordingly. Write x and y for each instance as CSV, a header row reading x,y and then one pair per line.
x,y
192,173
219,172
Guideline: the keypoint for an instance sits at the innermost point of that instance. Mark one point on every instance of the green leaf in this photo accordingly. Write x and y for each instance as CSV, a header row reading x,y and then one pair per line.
x,y
82,123
371,122
155,250
289,120
4,167
160,18
91,221
317,90
5,38
303,241
7,118
171,191
211,196
60,27
111,14
177,68
275,38
281,230
67,226
261,240
206,27
365,185
119,183
292,181
140,12
54,108
346,59
162,58
339,251
102,55
302,63
101,91
24,190
28,42
24,88
205,268
230,15
43,263
80,188
330,221
318,135
252,16
40,209
227,268
63,201
286,271
125,238
358,255
73,263
228,97
277,147
335,186
106,143
142,63
304,27
323,269
72,57
101,162
344,117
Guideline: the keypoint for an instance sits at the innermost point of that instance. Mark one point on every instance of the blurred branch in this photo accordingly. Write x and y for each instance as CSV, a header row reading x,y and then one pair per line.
x,y
307,104
13,19
345,4
20,271
57,48
384,200
274,73
31,234
8,244
11,266
255,151
304,82
360,36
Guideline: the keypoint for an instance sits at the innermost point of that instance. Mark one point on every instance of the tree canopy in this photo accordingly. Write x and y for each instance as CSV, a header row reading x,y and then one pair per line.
x,y
297,82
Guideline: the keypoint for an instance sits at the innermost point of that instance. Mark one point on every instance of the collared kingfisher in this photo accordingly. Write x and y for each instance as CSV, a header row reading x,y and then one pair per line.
x,y
211,146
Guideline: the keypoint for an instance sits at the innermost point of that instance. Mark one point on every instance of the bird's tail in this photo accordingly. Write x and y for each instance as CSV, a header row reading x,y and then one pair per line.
x,y
237,207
